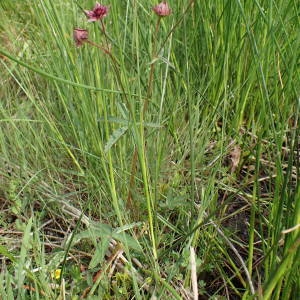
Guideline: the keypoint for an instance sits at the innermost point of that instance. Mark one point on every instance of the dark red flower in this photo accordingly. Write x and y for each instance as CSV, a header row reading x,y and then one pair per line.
x,y
98,12
162,9
80,36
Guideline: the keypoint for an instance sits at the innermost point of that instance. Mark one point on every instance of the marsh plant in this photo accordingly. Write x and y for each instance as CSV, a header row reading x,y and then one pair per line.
x,y
149,150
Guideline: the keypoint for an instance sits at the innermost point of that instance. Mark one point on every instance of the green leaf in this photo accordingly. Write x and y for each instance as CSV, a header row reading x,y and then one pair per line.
x,y
23,258
6,253
97,230
105,232
100,252
116,135
127,240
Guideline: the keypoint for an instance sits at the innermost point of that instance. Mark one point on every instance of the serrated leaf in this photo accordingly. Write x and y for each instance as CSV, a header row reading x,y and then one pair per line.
x,y
100,252
128,227
127,240
105,233
115,136
98,230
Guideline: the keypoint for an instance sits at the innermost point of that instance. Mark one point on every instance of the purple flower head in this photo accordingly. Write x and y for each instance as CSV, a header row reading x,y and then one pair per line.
x,y
162,9
80,36
98,12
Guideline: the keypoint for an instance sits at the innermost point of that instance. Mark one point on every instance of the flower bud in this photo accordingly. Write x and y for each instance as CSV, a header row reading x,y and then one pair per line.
x,y
80,36
162,9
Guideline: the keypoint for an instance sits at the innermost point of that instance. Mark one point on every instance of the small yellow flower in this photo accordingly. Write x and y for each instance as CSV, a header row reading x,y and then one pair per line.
x,y
56,274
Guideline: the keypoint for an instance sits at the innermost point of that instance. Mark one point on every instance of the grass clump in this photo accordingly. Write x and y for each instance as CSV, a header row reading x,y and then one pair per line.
x,y
158,158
